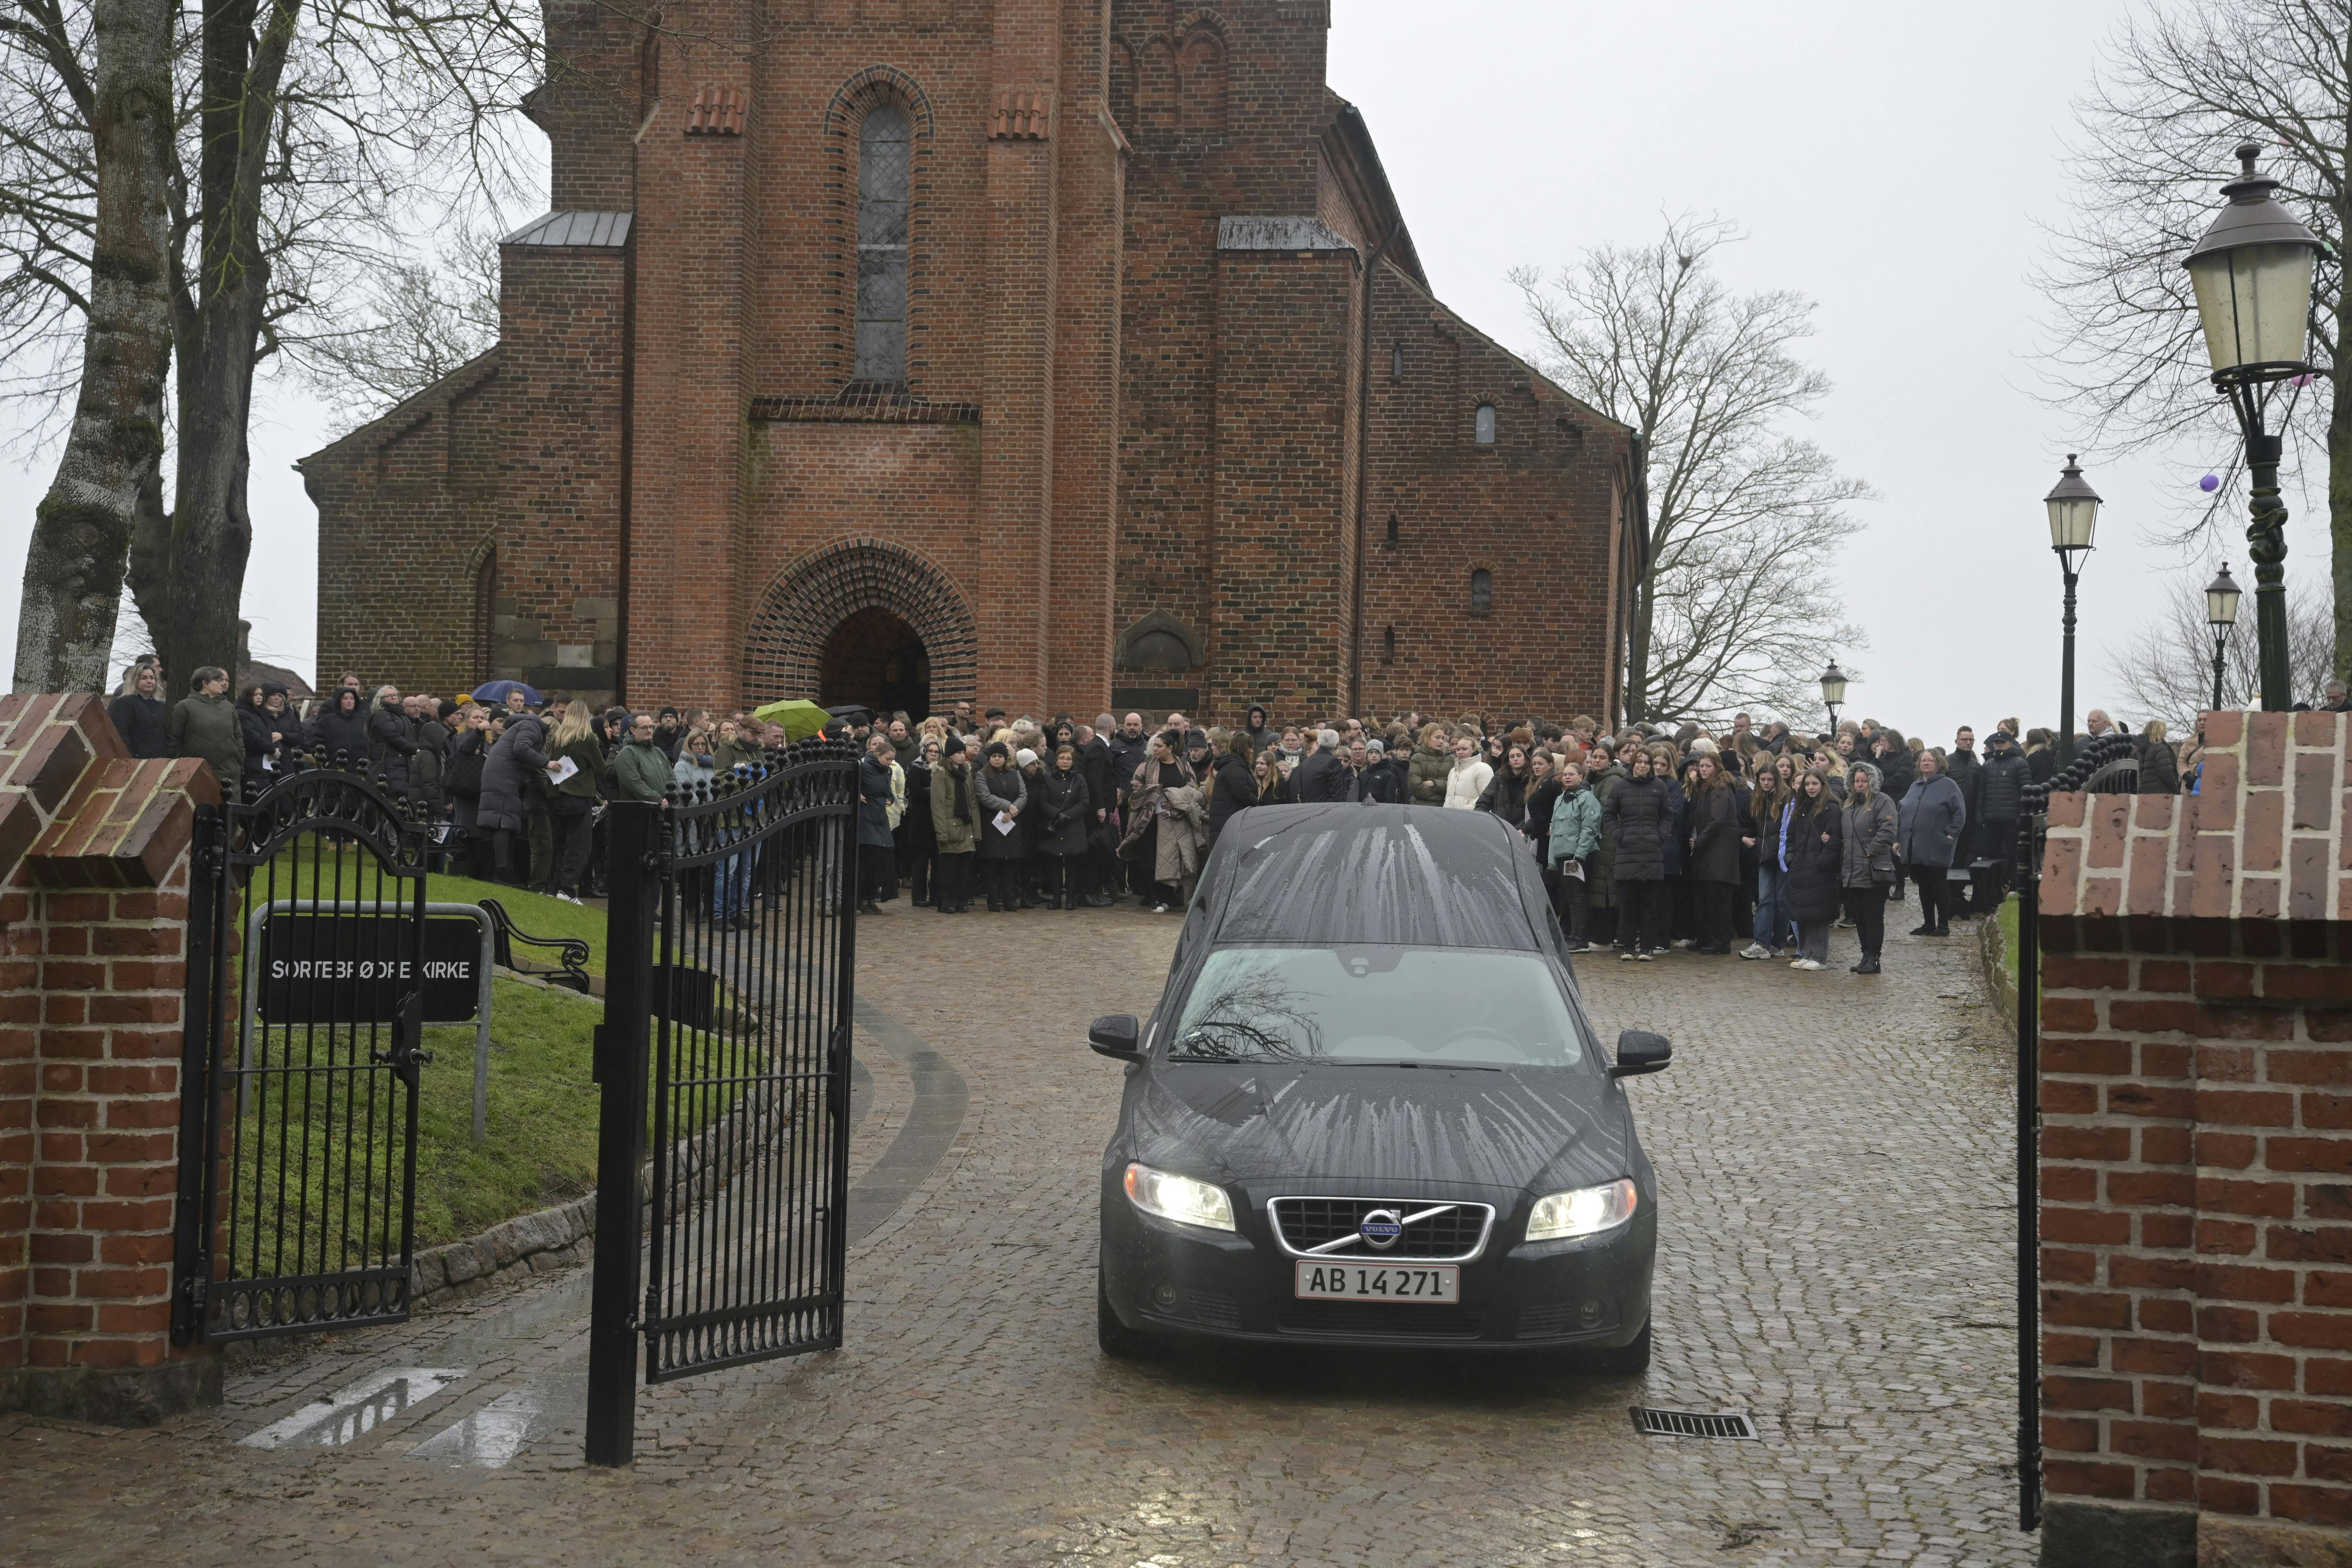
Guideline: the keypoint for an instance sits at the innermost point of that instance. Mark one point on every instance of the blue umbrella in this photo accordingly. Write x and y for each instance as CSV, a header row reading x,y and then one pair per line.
x,y
495,692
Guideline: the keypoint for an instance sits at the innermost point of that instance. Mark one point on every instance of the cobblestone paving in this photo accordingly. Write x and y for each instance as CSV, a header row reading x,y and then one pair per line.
x,y
1833,1160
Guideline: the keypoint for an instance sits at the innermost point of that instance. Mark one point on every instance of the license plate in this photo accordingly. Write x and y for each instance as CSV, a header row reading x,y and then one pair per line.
x,y
1379,1283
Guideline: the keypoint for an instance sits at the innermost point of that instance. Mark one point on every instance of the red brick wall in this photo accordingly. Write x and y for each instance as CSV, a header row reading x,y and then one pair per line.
x,y
2195,1149
93,943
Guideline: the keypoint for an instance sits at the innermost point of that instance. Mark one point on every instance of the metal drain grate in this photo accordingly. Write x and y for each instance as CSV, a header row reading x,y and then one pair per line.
x,y
1691,1424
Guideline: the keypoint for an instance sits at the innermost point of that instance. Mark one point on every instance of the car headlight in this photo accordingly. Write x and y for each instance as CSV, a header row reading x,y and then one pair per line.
x,y
1587,1211
1180,1198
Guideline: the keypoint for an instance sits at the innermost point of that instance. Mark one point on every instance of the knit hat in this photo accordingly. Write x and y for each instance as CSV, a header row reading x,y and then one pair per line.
x,y
998,749
1377,748
1024,756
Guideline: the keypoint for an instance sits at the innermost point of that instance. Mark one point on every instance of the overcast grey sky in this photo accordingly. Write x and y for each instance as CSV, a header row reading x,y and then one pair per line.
x,y
1890,162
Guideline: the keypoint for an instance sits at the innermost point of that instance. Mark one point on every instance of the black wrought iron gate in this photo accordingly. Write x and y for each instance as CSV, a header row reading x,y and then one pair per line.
x,y
298,1147
727,1036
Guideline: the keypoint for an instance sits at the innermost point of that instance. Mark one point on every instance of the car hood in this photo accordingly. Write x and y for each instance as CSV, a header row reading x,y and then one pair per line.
x,y
1247,1125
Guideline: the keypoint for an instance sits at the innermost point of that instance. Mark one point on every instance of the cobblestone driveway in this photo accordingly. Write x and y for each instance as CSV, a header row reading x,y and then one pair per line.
x,y
1834,1257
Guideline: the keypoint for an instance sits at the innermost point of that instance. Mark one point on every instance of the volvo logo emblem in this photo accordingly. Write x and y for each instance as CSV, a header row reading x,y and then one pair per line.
x,y
1379,1228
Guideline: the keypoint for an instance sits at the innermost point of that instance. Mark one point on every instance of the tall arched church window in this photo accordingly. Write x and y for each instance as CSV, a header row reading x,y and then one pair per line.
x,y
882,157
1484,424
1482,591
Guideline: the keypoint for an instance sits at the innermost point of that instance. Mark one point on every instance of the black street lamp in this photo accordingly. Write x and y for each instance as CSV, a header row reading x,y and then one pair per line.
x,y
2220,613
1832,691
2252,276
2074,508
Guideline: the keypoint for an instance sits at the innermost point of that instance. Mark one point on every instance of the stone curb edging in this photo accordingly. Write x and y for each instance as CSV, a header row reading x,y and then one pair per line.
x,y
1996,976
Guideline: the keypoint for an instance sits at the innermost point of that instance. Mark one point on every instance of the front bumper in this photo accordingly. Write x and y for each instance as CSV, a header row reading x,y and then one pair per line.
x,y
1179,1280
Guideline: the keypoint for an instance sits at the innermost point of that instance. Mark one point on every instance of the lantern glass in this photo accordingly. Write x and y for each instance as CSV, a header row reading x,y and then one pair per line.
x,y
2221,600
2073,521
1832,686
2254,301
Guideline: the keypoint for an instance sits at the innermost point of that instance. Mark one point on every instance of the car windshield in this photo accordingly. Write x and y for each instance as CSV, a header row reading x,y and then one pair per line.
x,y
1370,1003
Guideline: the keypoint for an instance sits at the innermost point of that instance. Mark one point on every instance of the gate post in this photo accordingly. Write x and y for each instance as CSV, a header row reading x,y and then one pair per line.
x,y
621,1060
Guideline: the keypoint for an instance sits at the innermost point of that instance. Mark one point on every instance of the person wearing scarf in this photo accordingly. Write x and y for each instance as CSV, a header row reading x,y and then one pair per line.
x,y
958,828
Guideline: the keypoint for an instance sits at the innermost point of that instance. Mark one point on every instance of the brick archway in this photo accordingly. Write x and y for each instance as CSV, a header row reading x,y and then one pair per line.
x,y
783,654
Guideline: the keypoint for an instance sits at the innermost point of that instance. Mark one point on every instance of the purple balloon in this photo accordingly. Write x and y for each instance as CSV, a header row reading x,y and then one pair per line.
x,y
2210,483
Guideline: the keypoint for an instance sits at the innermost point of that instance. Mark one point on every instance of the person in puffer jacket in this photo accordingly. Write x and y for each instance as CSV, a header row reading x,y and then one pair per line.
x,y
1640,814
1575,834
1468,778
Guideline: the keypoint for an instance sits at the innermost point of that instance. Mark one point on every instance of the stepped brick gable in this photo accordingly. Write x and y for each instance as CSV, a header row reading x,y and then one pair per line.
x,y
1056,353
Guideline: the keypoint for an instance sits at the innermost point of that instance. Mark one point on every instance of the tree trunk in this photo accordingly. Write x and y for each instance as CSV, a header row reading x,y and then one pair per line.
x,y
188,572
110,470
2339,483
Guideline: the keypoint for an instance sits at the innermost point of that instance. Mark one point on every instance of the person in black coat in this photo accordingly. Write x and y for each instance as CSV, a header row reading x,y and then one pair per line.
x,y
1815,837
919,840
1505,793
1231,786
514,780
878,869
391,740
1321,775
1096,765
140,715
339,732
1255,730
1065,814
1715,829
1384,779
1640,815
264,732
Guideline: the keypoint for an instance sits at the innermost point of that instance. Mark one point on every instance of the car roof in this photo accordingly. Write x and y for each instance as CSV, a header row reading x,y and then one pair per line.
x,y
1343,873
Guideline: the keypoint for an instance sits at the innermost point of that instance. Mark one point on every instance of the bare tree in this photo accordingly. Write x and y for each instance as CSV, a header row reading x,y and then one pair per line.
x,y
114,116
2165,670
2177,89
305,141
427,317
1746,519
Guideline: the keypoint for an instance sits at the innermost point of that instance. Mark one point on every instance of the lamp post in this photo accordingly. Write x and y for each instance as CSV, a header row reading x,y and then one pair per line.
x,y
1832,691
2074,508
2220,613
2251,272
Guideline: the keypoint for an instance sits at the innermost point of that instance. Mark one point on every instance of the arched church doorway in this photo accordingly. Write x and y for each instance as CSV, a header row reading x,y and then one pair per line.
x,y
877,659
867,621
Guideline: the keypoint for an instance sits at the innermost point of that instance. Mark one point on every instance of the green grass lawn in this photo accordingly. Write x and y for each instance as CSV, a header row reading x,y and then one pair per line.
x,y
353,874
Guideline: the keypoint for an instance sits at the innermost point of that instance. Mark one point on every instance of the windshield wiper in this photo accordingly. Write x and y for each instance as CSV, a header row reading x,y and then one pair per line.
x,y
1440,1066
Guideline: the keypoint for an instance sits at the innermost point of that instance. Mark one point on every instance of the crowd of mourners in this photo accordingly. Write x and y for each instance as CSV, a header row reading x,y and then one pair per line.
x,y
1650,839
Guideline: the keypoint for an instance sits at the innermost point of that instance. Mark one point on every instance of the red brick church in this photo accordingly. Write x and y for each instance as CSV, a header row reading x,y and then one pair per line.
x,y
1057,353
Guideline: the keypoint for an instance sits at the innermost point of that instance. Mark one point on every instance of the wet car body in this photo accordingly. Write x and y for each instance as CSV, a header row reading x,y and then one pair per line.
x,y
1424,1171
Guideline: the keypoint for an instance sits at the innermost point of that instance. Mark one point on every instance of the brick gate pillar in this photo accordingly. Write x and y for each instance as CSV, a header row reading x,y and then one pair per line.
x,y
94,860
2196,1160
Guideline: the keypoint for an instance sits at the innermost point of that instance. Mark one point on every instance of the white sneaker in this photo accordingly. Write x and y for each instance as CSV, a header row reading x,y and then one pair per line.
x,y
1797,962
1807,963
1754,950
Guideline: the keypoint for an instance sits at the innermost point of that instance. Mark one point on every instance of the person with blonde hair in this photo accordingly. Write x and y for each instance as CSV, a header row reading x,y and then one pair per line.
x,y
572,798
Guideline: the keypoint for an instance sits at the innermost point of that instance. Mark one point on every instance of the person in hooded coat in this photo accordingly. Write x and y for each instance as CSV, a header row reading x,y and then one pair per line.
x,y
514,782
1253,727
1575,834
1432,765
1867,862
339,731
1640,812
1810,843
205,724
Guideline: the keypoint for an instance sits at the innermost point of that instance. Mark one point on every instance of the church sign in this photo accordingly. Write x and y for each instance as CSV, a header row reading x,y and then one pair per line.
x,y
351,968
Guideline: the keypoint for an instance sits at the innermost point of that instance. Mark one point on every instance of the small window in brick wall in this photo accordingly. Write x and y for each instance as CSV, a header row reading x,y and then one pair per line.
x,y
882,157
1390,542
1483,425
1482,591
1388,645
1396,363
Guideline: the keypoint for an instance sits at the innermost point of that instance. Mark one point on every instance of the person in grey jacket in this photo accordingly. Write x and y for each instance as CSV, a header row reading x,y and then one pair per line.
x,y
1927,836
1867,867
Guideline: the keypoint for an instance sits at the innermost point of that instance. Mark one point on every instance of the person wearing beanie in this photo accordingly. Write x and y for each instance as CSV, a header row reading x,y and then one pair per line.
x,y
955,819
1000,793
670,734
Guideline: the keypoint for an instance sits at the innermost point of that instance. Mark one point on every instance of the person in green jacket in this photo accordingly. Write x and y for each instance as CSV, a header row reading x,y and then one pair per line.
x,y
1575,834
203,724
642,770
1433,761
955,819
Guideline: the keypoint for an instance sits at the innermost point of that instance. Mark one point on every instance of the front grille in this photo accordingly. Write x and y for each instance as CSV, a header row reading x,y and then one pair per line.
x,y
1385,1318
1454,1233
1214,1307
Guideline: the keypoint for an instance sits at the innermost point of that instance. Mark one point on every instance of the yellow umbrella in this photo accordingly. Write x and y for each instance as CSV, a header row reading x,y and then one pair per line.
x,y
799,719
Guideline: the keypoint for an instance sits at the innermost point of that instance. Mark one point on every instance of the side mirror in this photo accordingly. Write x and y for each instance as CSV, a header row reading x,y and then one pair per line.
x,y
1638,1051
1115,1037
